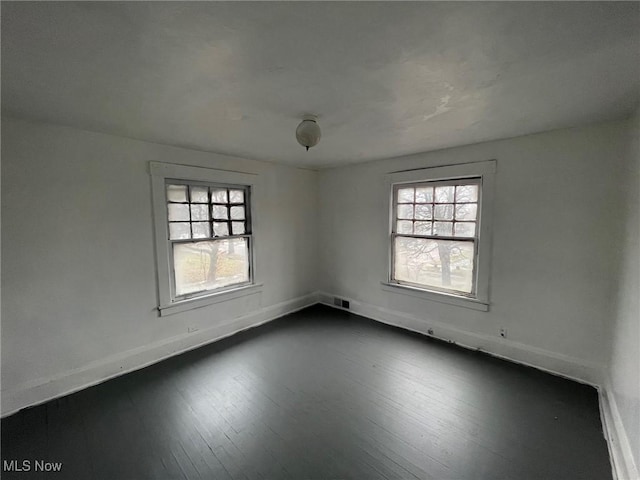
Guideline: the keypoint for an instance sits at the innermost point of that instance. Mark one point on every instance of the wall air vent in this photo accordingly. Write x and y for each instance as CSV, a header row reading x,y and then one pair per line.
x,y
339,302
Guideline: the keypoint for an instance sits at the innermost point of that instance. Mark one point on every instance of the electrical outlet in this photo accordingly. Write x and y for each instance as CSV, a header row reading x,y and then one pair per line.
x,y
503,332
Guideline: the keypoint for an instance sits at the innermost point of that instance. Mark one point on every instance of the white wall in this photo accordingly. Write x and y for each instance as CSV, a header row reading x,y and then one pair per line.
x,y
623,382
78,270
554,247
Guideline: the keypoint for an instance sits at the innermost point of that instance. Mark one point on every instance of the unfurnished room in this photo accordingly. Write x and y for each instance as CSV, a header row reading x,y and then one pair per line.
x,y
320,240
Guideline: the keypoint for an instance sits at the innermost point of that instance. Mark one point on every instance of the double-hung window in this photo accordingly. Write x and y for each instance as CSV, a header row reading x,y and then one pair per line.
x,y
435,234
204,235
440,232
210,236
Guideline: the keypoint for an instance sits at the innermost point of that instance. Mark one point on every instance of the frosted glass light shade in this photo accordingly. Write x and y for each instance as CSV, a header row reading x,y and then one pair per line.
x,y
308,133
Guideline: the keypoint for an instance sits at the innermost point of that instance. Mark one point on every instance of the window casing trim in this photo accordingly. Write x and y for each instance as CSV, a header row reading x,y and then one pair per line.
x,y
434,296
163,173
222,295
484,172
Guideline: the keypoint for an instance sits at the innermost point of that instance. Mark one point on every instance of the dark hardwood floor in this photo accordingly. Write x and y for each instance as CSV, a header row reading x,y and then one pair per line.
x,y
319,394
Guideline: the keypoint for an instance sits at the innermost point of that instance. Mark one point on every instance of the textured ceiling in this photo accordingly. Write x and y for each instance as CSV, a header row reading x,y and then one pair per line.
x,y
385,79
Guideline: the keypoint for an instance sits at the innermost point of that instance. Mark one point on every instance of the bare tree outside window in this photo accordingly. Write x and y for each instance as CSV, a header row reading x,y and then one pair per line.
x,y
209,232
435,234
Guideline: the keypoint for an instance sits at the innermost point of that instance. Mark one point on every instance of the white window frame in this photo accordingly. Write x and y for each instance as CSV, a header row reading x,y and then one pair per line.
x,y
163,173
485,173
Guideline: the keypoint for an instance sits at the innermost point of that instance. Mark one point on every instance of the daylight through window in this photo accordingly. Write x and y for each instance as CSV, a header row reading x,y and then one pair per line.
x,y
209,231
435,235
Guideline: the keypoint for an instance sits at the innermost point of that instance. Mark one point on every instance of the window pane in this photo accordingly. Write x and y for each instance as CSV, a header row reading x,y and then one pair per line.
x,y
178,231
237,213
467,193
422,228
219,195
178,212
443,228
424,212
199,212
220,212
405,195
434,263
177,193
405,211
405,227
443,212
220,229
465,229
238,228
208,265
236,196
201,229
444,194
466,211
424,195
199,194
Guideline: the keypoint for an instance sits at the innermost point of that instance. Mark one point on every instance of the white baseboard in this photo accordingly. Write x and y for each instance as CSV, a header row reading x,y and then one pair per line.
x,y
44,389
558,364
622,461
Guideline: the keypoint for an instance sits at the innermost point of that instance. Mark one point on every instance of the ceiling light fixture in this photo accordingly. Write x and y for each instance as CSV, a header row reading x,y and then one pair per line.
x,y
308,132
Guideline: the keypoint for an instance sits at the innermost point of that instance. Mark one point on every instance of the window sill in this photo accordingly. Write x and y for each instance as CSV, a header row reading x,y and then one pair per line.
x,y
440,297
203,301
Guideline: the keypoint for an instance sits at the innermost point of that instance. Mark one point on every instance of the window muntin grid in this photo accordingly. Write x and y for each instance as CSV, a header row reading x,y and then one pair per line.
x,y
444,212
211,217
437,209
198,211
